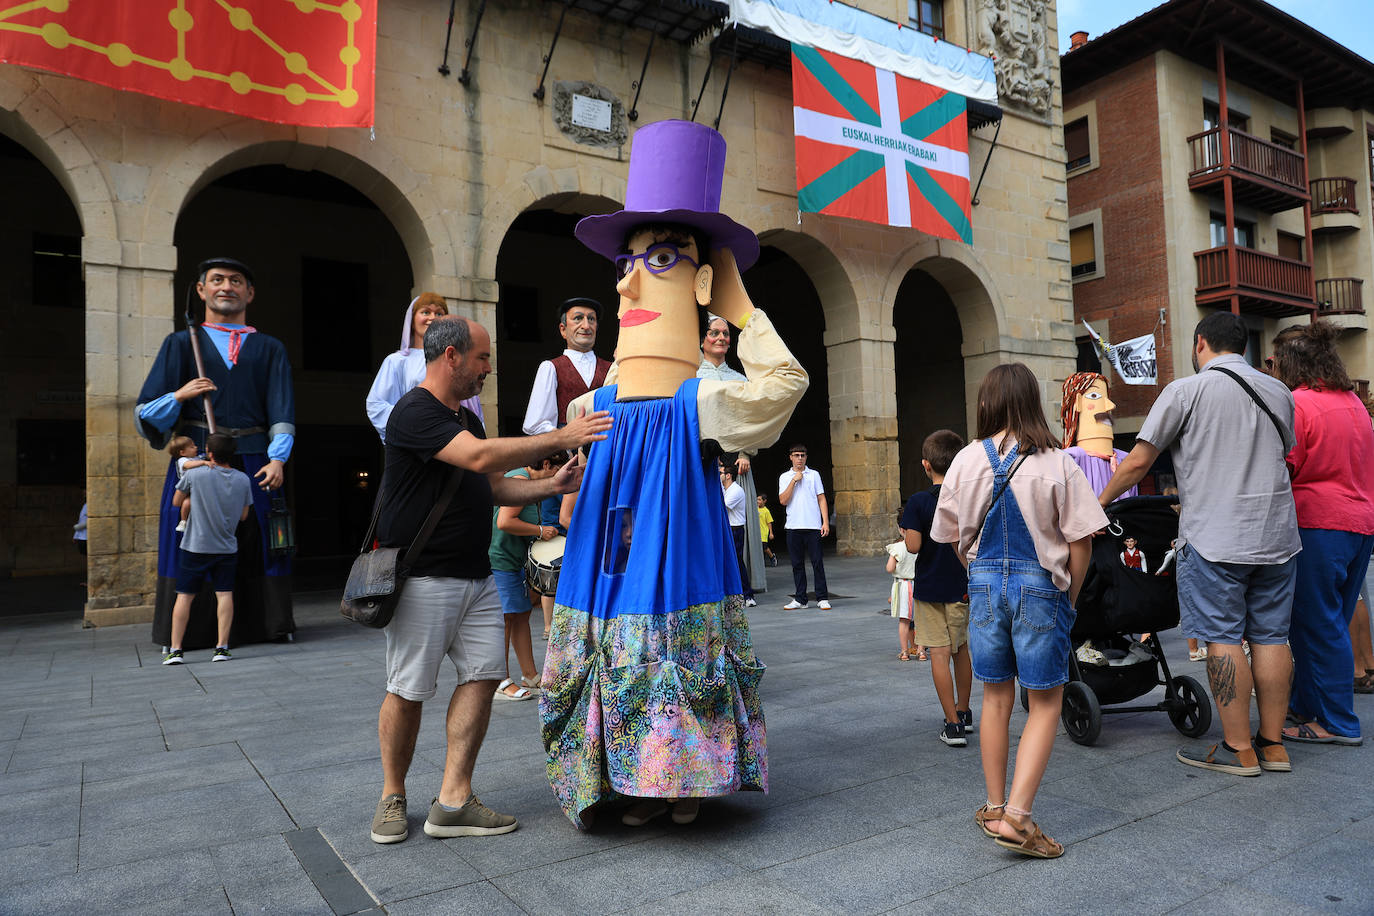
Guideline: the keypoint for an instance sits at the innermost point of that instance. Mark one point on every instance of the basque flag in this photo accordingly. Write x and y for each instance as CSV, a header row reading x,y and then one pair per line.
x,y
876,146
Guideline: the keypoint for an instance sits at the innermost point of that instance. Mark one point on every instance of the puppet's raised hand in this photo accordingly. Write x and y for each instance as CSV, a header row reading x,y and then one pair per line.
x,y
728,297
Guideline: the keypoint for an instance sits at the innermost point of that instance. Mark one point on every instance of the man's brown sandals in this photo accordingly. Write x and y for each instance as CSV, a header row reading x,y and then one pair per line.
x,y
1032,840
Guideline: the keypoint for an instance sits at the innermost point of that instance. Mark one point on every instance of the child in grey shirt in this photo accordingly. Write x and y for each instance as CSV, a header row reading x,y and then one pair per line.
x,y
209,549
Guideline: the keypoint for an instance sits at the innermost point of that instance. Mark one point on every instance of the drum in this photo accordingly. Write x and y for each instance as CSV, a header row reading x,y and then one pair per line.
x,y
542,564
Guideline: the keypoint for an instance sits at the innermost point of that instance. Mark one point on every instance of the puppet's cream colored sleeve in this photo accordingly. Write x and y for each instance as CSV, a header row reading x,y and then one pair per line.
x,y
580,405
749,415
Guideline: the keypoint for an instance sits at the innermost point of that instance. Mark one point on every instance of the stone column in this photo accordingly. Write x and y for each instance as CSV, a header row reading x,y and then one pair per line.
x,y
129,309
476,299
863,444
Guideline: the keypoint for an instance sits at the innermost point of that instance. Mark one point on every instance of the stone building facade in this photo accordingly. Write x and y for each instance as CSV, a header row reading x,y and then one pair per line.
x,y
470,189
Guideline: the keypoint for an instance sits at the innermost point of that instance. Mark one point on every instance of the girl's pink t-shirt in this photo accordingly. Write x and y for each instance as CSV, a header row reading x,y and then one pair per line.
x,y
1333,463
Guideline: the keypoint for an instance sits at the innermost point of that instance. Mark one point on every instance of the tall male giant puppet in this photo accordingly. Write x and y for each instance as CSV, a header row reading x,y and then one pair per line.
x,y
248,383
651,683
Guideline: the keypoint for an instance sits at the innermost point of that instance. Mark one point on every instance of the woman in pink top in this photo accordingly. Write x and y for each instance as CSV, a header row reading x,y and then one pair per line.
x,y
1332,467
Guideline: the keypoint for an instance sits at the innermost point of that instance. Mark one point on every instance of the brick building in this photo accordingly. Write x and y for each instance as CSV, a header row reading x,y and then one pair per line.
x,y
1168,221
469,186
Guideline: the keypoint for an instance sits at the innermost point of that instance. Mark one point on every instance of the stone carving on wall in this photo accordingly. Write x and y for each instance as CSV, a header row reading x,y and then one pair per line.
x,y
618,131
1013,32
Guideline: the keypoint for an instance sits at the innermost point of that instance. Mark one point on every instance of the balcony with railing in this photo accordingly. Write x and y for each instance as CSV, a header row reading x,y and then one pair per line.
x,y
1267,176
1265,284
1334,205
1340,300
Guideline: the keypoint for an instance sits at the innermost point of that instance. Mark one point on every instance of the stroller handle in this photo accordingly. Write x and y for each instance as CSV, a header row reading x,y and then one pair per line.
x,y
1136,502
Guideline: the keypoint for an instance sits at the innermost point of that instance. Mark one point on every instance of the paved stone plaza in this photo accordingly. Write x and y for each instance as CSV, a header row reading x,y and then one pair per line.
x,y
248,787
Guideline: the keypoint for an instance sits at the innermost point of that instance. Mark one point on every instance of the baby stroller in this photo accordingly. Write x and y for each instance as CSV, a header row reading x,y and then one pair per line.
x,y
1129,589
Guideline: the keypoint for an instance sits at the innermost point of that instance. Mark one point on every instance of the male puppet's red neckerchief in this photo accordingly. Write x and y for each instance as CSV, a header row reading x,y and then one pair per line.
x,y
236,336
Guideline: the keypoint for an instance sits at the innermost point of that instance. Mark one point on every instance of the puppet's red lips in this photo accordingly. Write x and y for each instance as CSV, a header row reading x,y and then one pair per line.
x,y
637,316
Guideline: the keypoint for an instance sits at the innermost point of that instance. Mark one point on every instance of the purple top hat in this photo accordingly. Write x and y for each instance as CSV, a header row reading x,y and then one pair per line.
x,y
676,168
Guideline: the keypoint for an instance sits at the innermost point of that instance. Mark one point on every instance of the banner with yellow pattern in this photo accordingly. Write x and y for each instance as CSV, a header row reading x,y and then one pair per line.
x,y
306,62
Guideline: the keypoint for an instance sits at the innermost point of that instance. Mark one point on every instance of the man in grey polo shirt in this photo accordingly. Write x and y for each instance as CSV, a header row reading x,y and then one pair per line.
x,y
1238,533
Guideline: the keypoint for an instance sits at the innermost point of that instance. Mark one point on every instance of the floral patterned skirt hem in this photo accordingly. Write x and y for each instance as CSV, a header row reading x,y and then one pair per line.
x,y
652,705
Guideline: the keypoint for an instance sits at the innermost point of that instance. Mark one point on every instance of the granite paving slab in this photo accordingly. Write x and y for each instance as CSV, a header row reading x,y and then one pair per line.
x,y
868,811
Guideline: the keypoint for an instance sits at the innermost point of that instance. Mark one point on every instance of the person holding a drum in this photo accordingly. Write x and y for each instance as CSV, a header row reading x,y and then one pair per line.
x,y
513,530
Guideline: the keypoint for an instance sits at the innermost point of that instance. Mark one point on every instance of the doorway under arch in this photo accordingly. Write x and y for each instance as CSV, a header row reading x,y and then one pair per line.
x,y
541,264
333,282
780,286
43,374
929,365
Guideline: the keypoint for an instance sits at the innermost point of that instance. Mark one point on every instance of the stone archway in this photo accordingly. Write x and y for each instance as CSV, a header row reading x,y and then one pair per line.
x,y
42,372
32,118
332,284
370,169
65,396
539,264
978,313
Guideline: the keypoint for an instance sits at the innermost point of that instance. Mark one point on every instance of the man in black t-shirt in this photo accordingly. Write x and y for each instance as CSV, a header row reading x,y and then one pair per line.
x,y
449,605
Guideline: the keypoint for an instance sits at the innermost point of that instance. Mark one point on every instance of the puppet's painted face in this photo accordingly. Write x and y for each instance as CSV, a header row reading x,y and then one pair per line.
x,y
1095,413
578,328
717,340
661,286
1130,543
226,292
423,317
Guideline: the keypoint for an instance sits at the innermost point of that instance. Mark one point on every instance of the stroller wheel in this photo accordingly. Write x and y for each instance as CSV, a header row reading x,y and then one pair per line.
x,y
1192,711
1082,715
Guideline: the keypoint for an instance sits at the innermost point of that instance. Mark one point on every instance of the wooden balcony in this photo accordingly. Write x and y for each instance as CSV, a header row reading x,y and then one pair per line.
x,y
1265,284
1334,207
1333,195
1340,296
1267,176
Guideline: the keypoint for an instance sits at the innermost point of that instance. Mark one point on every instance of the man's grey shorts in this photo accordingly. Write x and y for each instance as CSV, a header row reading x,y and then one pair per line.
x,y
1227,602
460,618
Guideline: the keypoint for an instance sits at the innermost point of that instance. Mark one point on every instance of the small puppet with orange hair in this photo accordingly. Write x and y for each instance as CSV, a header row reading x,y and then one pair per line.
x,y
1087,416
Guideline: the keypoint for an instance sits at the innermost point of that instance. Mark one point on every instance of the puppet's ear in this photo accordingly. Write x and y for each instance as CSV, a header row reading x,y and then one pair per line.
x,y
702,285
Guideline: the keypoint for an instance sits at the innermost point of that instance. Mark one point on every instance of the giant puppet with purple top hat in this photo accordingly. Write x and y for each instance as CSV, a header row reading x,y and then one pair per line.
x,y
651,682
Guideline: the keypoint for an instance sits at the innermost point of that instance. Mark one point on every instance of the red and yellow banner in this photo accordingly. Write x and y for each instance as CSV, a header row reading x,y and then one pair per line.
x,y
291,61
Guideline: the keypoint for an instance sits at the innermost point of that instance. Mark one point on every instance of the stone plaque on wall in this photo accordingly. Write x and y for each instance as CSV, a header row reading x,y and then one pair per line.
x,y
589,114
1013,33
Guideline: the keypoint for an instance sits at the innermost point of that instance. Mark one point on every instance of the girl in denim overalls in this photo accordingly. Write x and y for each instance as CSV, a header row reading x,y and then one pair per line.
x,y
1026,560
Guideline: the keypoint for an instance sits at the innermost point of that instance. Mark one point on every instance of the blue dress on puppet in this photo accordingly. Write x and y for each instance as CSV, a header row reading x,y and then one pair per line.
x,y
255,393
651,687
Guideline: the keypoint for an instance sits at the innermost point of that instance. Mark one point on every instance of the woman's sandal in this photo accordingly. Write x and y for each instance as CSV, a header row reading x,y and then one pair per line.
x,y
985,814
521,693
922,657
903,657
1034,843
1364,684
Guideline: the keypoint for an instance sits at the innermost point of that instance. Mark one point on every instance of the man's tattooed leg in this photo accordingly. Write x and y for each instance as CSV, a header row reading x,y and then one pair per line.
x,y
1221,673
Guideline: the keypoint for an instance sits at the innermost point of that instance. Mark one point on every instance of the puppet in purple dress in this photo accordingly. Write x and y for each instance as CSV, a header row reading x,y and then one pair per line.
x,y
1087,416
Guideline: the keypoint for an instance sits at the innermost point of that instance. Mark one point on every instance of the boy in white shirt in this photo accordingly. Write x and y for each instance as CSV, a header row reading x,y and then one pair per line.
x,y
808,520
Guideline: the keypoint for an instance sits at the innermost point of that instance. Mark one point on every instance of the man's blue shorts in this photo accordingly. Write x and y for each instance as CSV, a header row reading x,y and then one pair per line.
x,y
1227,602
195,568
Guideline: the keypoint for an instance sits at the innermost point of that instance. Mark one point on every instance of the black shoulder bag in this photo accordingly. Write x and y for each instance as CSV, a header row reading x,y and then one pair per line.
x,y
374,583
1258,400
